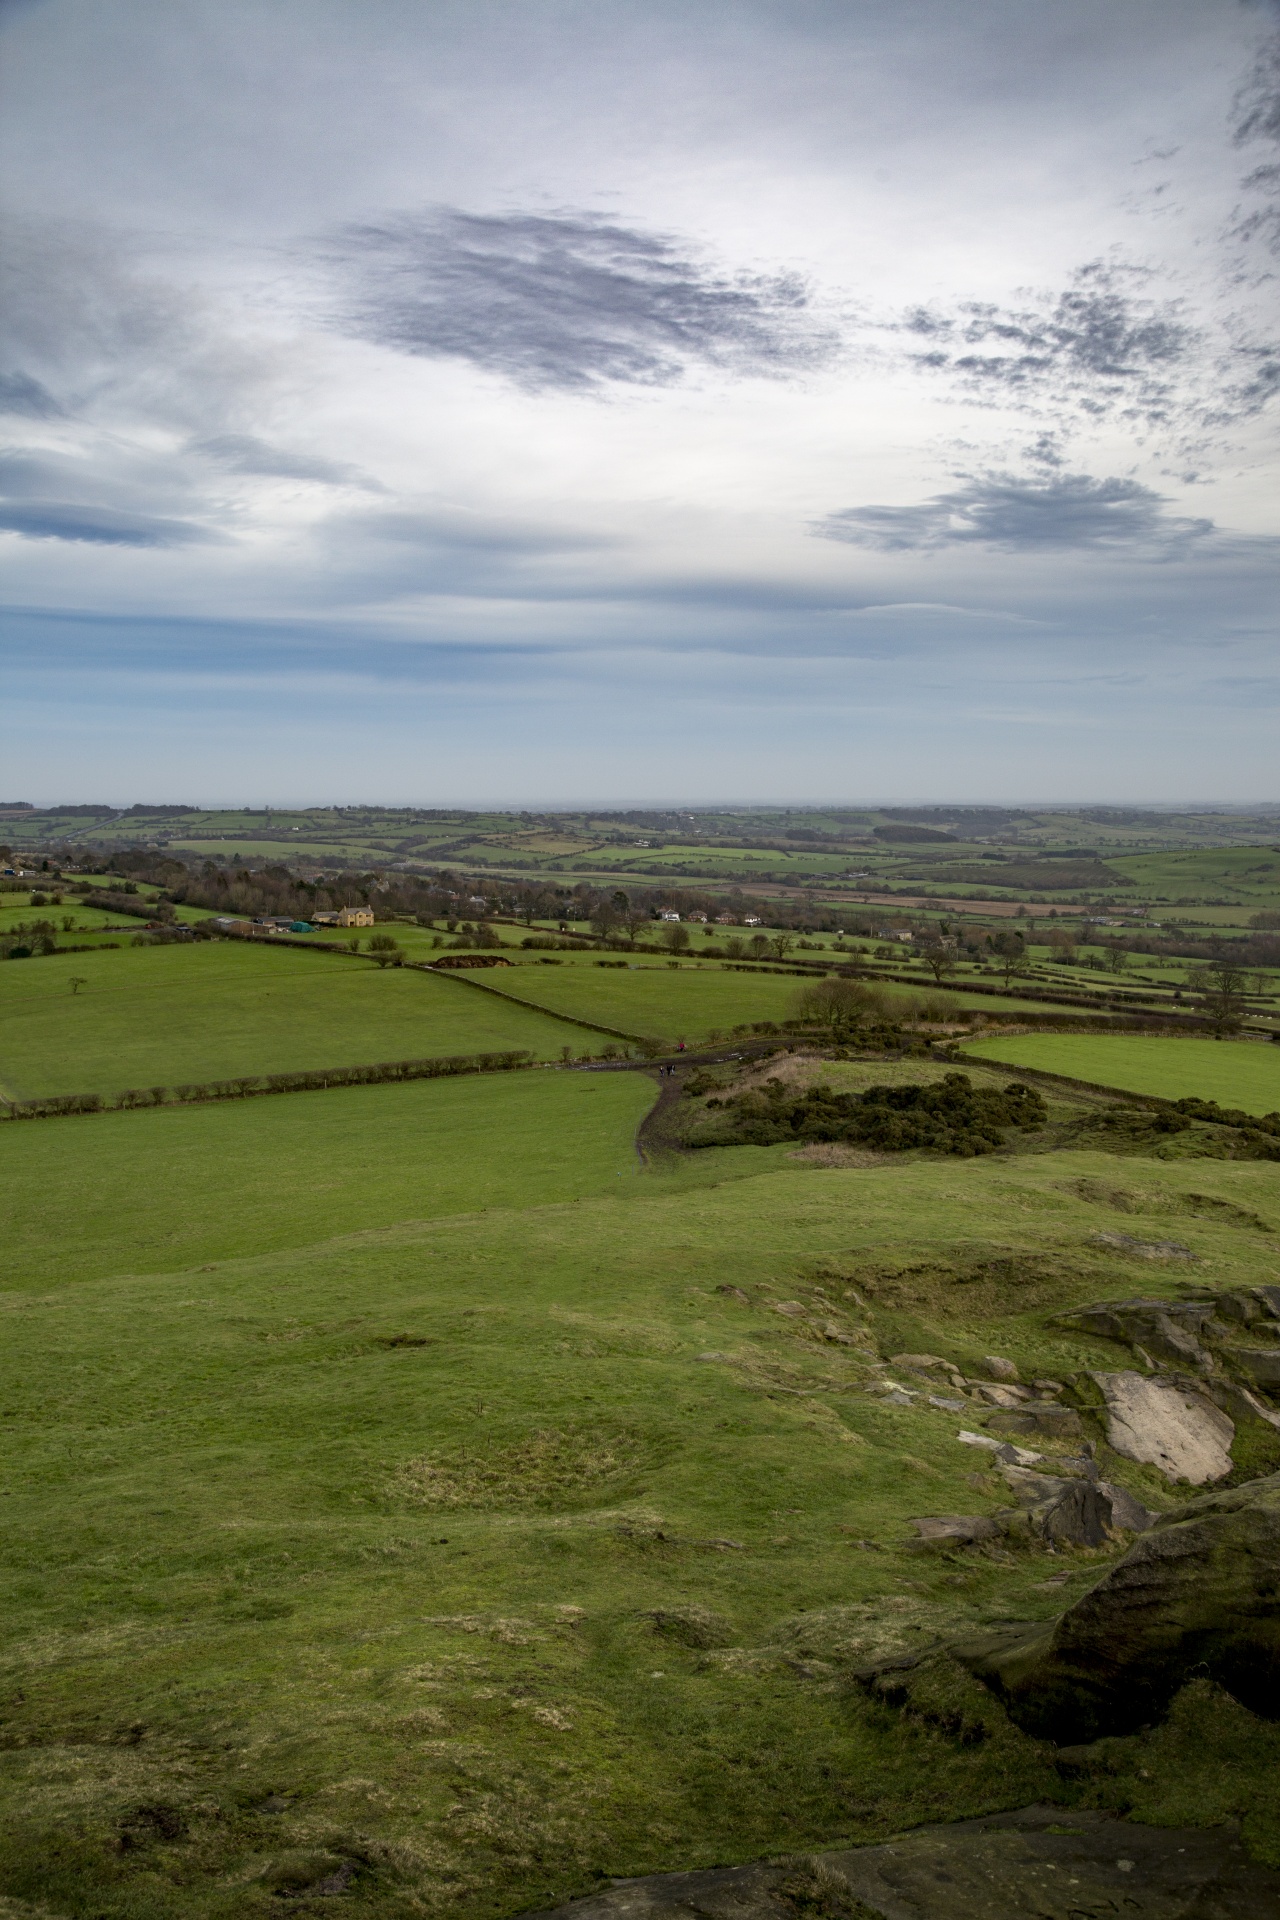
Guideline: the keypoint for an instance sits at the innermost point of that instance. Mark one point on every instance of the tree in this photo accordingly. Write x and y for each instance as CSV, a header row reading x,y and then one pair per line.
x,y
759,944
1222,994
676,936
1011,955
838,1004
1117,958
77,981
782,944
940,958
385,950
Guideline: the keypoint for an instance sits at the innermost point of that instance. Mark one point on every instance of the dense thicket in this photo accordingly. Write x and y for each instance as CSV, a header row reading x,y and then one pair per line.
x,y
950,1115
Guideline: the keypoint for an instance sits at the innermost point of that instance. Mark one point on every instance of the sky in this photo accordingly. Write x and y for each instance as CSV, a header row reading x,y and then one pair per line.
x,y
571,402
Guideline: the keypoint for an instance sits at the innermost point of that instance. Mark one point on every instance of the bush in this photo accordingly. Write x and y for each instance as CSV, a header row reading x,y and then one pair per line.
x,y
950,1115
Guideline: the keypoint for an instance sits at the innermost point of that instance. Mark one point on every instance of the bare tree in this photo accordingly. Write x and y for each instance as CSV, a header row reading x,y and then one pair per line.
x,y
1222,989
839,1004
782,944
940,958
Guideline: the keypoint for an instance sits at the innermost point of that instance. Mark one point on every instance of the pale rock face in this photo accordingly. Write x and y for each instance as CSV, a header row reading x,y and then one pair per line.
x,y
1167,1426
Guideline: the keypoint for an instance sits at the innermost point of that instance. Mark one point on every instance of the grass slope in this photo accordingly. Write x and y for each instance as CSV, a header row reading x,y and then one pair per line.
x,y
1235,1073
286,1595
148,1191
153,1016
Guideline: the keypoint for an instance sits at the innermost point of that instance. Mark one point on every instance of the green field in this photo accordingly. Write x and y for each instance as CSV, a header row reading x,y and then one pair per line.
x,y
284,1590
1235,1073
649,997
254,1176
163,1015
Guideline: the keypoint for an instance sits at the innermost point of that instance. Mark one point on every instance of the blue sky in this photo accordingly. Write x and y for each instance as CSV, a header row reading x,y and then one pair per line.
x,y
560,403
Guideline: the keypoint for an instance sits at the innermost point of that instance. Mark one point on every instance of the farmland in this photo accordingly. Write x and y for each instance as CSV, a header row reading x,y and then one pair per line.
x,y
435,1495
231,1179
1234,1073
161,1015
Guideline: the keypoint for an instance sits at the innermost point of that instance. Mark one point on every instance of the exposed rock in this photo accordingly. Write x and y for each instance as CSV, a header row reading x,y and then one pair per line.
x,y
793,1309
1168,1330
1045,1861
1000,1368
1168,1426
734,1293
1260,1364
1010,1456
1128,1515
1000,1396
1056,1423
1145,1249
1030,1488
978,1440
946,1406
1194,1595
956,1529
922,1360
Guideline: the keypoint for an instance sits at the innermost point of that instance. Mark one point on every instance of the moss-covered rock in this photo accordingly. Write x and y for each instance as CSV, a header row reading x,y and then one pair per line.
x,y
1198,1594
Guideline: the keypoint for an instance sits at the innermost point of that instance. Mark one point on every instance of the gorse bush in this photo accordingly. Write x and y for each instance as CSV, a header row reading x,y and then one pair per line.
x,y
951,1115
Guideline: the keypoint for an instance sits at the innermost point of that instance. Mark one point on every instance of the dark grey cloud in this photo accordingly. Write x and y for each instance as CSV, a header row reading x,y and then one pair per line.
x,y
568,300
1015,515
101,526
21,394
1256,117
245,453
1096,346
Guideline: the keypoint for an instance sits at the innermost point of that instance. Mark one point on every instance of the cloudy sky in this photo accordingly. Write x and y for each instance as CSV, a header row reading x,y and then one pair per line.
x,y
555,401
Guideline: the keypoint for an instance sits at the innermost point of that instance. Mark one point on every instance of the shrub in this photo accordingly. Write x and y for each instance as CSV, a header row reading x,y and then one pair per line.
x,y
950,1115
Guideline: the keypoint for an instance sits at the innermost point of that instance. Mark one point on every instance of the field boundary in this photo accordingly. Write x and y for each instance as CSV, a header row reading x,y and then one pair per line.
x,y
1159,1103
252,1086
462,976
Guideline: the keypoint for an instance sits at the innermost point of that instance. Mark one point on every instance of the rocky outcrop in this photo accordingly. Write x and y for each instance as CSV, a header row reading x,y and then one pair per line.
x,y
1008,1866
1164,1425
1195,1595
1200,1336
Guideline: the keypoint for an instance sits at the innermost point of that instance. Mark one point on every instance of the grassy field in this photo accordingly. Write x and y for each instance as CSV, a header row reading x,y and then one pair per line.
x,y
256,1176
1235,1073
478,1560
162,1015
651,997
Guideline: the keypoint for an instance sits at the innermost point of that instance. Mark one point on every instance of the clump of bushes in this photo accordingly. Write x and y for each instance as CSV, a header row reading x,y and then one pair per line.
x,y
950,1115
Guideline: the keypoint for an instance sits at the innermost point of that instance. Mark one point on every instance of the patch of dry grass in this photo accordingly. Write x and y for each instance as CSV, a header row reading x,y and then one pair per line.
x,y
553,1467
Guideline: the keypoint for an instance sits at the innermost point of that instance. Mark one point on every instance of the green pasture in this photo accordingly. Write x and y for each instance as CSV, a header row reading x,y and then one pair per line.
x,y
1235,1073
482,1559
651,997
159,1016
158,1188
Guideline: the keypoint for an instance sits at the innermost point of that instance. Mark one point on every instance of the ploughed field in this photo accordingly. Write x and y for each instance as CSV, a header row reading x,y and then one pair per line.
x,y
166,1015
1235,1073
416,1503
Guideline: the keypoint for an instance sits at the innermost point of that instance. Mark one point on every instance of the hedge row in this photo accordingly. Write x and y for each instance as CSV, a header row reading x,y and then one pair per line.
x,y
248,1085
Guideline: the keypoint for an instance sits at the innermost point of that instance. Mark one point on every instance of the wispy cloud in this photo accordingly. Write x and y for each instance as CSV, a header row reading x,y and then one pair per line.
x,y
1094,348
568,301
22,395
1013,515
245,453
100,526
